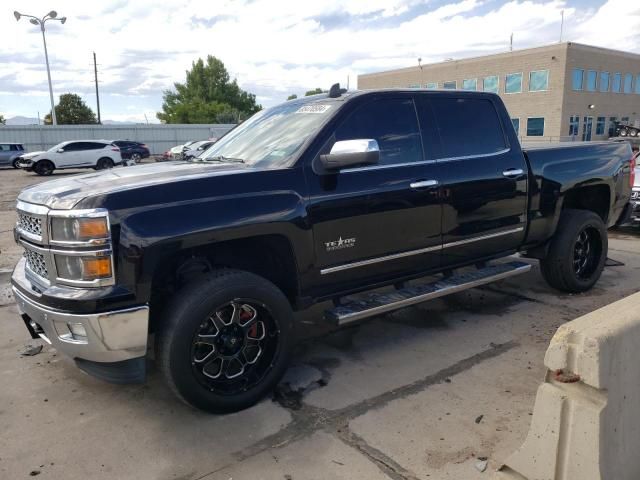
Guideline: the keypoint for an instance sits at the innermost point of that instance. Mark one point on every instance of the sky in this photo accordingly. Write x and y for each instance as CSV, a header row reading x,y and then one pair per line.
x,y
272,47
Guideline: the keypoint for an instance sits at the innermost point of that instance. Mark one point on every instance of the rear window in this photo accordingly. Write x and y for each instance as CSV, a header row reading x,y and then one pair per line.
x,y
468,126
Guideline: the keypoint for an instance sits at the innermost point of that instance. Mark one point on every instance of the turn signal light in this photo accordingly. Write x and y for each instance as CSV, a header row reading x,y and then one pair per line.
x,y
98,267
92,228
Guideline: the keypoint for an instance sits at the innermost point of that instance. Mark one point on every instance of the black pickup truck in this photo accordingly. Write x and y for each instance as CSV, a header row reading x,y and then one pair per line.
x,y
315,200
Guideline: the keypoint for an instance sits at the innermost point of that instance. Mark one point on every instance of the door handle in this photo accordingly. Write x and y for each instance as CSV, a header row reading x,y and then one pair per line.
x,y
513,172
423,184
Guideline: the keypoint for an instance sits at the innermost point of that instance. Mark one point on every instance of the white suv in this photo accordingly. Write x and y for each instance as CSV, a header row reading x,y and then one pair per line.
x,y
97,154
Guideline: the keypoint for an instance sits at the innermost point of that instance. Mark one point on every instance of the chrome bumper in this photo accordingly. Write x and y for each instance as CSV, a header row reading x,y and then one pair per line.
x,y
110,336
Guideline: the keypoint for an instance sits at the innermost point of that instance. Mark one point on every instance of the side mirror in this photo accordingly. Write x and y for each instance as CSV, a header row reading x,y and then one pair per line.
x,y
351,153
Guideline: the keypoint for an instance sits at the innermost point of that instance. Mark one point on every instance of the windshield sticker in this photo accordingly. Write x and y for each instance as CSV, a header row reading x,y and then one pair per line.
x,y
315,108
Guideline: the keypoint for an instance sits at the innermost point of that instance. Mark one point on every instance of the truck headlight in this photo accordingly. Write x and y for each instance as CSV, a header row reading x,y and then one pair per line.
x,y
76,268
79,229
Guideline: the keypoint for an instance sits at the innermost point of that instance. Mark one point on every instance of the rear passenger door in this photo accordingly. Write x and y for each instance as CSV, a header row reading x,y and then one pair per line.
x,y
483,179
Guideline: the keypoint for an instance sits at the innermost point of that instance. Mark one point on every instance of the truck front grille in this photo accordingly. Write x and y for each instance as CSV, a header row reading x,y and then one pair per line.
x,y
30,224
635,195
36,263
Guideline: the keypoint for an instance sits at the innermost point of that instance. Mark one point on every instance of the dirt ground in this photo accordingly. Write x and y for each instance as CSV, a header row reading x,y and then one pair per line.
x,y
422,393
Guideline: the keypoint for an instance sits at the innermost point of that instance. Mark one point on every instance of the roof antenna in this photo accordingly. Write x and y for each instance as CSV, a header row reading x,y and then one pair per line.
x,y
335,91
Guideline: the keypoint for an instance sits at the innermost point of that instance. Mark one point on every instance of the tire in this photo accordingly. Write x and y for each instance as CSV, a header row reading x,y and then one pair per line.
x,y
104,163
135,157
623,132
205,373
15,163
44,168
571,265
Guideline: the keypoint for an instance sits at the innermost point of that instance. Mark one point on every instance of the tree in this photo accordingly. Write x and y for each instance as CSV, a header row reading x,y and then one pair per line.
x,y
207,96
3,121
293,96
315,92
71,110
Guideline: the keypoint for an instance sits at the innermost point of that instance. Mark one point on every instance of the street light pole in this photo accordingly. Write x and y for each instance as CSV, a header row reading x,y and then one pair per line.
x,y
52,15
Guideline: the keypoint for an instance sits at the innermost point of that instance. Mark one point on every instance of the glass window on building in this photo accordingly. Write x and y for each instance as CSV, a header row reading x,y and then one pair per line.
x,y
451,85
617,81
638,84
490,84
600,125
604,81
578,79
613,123
539,81
628,83
513,83
414,85
470,84
624,120
574,125
592,78
431,85
516,125
535,126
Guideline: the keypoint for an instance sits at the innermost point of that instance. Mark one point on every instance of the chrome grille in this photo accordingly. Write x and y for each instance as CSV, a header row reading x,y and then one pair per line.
x,y
635,195
36,263
30,224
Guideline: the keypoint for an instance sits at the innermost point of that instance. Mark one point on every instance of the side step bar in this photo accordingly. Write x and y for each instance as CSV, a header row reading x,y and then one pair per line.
x,y
378,303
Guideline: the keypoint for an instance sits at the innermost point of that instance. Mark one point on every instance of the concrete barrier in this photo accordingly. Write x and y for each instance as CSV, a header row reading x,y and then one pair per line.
x,y
586,419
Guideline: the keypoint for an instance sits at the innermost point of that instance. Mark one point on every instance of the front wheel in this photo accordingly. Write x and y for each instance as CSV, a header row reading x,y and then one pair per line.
x,y
44,168
225,340
15,163
577,252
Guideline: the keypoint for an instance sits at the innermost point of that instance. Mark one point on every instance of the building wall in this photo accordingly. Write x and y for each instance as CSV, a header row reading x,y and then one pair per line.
x,y
556,104
158,137
605,104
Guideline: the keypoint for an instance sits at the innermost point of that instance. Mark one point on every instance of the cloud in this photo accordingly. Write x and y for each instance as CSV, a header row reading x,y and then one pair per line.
x,y
276,48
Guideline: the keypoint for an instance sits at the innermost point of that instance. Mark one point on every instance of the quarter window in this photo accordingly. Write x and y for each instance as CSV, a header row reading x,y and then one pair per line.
x,y
600,125
490,84
539,81
392,123
628,83
617,81
513,83
451,85
578,79
535,127
592,78
485,137
470,84
574,125
604,81
516,125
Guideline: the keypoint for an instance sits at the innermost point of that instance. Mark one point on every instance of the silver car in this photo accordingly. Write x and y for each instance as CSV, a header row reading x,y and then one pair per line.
x,y
9,153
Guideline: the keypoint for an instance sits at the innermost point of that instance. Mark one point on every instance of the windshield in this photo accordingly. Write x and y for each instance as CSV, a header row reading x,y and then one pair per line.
x,y
57,147
271,137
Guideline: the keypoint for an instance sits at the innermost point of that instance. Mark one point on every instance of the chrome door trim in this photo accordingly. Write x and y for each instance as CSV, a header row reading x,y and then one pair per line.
x,y
513,172
424,184
371,261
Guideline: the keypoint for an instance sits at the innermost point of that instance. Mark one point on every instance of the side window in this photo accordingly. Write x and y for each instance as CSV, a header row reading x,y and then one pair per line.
x,y
458,140
4,147
72,147
392,123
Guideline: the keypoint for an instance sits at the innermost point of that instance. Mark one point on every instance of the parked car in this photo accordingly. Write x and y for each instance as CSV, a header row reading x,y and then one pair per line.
x,y
635,194
135,151
97,154
313,200
24,160
196,149
9,153
176,152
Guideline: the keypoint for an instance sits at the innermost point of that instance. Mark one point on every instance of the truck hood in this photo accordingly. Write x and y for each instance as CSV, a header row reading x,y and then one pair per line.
x,y
65,193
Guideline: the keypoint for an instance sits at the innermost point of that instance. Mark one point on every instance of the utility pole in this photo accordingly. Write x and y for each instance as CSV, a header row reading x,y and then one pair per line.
x,y
511,43
561,25
95,73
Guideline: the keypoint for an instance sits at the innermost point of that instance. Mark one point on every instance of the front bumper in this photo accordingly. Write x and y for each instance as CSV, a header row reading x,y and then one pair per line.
x,y
111,337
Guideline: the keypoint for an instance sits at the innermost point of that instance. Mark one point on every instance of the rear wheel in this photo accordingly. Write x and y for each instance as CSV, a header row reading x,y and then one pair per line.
x,y
135,157
225,341
104,163
577,252
44,168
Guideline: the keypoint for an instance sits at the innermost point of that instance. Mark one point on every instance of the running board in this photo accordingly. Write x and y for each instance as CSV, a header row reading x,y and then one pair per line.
x,y
378,303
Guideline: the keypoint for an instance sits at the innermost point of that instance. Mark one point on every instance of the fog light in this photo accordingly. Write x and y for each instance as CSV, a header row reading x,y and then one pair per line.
x,y
77,330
